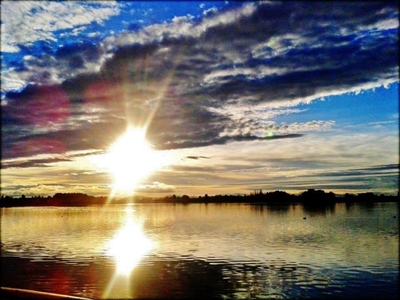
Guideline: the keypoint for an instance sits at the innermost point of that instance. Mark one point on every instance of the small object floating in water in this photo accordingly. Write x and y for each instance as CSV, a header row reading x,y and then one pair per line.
x,y
304,218
394,217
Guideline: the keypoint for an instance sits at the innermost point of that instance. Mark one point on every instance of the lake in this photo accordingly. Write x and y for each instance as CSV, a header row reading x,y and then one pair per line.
x,y
226,251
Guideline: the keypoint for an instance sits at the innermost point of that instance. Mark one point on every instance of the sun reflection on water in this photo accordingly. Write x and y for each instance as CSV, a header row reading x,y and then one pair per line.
x,y
127,248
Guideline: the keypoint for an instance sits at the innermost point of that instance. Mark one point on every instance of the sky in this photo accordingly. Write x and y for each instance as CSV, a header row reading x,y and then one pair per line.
x,y
230,97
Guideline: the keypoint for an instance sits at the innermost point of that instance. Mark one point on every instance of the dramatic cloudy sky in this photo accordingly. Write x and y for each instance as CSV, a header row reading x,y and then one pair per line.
x,y
235,96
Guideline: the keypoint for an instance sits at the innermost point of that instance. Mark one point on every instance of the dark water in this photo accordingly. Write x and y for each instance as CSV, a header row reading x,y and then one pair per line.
x,y
226,251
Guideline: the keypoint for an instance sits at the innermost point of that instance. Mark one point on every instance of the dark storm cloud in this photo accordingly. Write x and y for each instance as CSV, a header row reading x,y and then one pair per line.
x,y
87,136
352,178
173,77
46,119
41,186
222,141
32,163
381,168
197,157
378,171
387,183
93,152
85,50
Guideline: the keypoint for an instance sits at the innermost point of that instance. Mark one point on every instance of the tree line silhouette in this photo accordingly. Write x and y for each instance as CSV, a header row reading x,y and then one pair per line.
x,y
310,197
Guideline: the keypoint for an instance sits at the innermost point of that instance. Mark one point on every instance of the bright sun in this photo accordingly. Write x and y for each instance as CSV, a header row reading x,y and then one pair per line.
x,y
130,159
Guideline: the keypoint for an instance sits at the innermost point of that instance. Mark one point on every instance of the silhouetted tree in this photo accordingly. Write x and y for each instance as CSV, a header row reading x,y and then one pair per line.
x,y
185,198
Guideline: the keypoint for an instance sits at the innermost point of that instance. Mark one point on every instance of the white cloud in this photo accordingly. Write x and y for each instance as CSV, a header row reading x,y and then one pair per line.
x,y
182,27
156,187
270,128
94,34
25,22
7,47
210,11
12,81
218,77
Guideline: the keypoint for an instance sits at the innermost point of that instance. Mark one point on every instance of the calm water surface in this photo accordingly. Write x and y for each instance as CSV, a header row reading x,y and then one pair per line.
x,y
223,251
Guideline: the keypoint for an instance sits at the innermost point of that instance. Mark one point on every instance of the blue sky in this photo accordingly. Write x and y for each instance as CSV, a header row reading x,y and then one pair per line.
x,y
372,105
235,96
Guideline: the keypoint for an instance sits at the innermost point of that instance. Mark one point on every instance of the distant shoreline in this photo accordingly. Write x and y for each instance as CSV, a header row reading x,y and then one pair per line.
x,y
310,197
